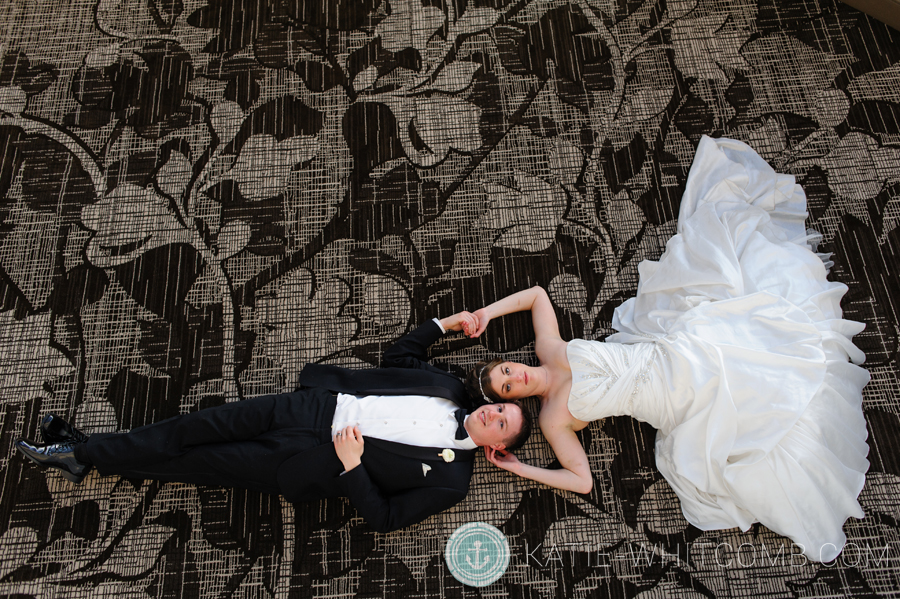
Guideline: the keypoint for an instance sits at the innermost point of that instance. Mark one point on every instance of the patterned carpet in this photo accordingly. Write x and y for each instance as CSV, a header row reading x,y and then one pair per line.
x,y
201,196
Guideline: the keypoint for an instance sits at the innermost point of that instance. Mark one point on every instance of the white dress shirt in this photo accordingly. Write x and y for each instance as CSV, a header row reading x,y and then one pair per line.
x,y
410,419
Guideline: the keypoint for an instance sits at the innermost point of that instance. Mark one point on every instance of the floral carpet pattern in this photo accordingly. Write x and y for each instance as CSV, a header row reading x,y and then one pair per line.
x,y
198,197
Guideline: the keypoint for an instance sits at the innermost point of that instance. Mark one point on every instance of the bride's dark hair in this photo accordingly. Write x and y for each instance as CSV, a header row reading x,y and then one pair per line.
x,y
478,381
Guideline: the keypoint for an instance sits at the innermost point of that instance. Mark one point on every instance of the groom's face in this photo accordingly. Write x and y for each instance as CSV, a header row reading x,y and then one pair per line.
x,y
494,425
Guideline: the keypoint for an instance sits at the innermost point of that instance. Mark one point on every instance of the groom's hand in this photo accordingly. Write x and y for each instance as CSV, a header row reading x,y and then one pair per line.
x,y
348,443
482,318
461,321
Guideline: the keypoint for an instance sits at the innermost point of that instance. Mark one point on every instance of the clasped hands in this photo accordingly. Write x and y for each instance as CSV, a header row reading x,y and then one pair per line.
x,y
472,324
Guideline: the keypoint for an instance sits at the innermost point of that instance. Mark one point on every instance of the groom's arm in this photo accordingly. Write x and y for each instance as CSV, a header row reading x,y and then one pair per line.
x,y
386,513
411,350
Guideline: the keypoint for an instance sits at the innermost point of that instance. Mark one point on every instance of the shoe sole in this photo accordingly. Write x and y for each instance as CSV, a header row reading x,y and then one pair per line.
x,y
72,478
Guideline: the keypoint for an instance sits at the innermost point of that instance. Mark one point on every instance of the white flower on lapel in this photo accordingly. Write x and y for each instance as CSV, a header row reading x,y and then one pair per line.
x,y
448,455
425,469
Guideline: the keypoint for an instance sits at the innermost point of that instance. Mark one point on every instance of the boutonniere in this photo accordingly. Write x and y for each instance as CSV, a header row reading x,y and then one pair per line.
x,y
448,454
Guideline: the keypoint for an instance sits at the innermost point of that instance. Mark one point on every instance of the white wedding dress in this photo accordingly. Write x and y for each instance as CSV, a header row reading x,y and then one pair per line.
x,y
734,349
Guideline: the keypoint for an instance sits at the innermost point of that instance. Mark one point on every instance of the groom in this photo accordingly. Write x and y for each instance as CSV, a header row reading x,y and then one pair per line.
x,y
396,441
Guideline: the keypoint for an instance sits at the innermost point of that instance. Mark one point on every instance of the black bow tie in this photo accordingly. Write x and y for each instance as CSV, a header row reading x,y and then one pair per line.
x,y
461,432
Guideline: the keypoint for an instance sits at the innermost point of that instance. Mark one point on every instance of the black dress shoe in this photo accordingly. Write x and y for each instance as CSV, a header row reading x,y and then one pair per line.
x,y
57,455
56,430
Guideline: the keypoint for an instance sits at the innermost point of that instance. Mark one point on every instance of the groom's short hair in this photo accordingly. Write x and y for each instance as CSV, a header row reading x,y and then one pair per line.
x,y
518,439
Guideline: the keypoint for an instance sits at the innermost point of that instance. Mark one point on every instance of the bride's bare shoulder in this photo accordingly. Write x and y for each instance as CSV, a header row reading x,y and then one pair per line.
x,y
552,352
555,415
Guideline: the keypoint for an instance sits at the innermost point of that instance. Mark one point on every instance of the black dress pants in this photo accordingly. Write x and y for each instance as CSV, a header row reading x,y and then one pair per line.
x,y
238,444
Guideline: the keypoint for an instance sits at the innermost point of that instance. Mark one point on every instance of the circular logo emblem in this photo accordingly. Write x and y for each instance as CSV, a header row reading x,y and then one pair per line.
x,y
477,554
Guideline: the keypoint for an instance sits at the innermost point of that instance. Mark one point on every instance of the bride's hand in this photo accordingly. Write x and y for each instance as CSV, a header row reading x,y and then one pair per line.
x,y
461,321
502,459
483,319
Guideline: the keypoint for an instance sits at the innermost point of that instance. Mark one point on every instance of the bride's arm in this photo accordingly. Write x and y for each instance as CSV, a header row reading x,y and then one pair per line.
x,y
575,474
536,300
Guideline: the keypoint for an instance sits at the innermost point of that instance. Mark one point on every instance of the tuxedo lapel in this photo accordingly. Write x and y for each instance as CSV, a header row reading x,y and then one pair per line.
x,y
430,454
386,381
396,468
425,390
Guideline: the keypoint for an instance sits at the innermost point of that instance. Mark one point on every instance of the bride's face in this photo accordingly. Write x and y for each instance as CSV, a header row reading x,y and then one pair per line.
x,y
511,381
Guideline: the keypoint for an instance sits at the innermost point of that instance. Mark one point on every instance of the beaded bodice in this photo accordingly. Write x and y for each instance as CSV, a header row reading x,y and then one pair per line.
x,y
613,379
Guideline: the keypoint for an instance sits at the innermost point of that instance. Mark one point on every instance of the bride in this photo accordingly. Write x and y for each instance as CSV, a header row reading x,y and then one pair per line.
x,y
734,349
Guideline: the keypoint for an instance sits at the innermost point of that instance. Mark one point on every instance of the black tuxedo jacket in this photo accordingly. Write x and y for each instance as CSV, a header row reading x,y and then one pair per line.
x,y
396,485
